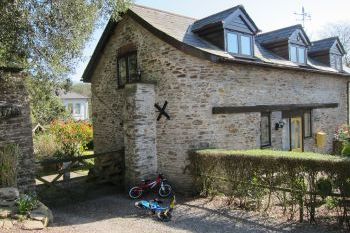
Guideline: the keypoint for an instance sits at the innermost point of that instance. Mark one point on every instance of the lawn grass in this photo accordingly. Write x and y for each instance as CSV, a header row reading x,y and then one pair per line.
x,y
89,161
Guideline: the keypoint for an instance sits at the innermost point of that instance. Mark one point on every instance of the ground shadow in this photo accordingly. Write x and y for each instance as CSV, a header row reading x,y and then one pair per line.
x,y
95,203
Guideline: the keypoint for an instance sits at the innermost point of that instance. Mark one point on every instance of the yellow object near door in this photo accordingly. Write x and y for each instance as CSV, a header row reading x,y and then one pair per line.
x,y
321,139
296,134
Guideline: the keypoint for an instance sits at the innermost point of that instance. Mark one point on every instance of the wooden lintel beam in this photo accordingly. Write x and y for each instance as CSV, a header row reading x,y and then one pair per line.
x,y
270,108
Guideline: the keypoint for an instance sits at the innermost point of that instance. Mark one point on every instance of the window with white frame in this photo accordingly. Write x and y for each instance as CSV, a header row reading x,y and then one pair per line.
x,y
238,43
70,108
337,60
297,54
77,108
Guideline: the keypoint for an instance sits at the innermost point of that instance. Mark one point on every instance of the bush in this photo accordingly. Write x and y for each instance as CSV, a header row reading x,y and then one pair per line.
x,y
342,133
307,178
8,165
346,149
73,136
46,146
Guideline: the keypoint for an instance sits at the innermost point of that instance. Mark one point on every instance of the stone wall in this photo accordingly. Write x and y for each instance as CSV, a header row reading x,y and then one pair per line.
x,y
17,128
193,86
139,132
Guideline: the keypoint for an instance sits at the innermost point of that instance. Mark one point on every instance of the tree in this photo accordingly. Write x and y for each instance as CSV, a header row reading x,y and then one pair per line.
x,y
46,106
46,37
82,88
342,30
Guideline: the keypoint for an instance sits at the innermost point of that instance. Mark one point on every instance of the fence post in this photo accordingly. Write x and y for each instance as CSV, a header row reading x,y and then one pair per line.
x,y
66,175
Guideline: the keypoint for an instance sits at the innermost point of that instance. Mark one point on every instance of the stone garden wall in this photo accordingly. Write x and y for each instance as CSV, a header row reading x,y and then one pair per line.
x,y
16,126
193,86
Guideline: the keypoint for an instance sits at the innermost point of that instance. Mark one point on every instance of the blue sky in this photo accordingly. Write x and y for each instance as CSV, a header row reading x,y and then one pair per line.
x,y
267,14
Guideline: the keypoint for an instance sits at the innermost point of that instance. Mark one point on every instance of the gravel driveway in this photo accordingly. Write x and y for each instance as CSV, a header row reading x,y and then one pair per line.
x,y
114,212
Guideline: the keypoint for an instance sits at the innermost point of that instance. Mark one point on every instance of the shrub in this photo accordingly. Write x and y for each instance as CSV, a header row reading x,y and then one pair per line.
x,y
73,136
346,149
342,133
27,203
324,187
254,173
46,146
8,165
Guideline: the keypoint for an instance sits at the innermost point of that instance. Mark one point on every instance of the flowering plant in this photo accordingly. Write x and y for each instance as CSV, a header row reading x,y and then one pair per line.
x,y
73,136
342,133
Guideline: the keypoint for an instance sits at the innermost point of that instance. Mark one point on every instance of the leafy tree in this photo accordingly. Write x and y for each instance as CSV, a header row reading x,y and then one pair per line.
x,y
46,38
46,106
82,88
342,30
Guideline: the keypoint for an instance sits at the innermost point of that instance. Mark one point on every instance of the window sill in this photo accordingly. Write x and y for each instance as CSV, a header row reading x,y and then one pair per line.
x,y
241,56
136,82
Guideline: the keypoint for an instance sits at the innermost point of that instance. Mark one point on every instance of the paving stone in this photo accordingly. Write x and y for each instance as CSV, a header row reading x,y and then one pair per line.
x,y
5,212
32,225
6,224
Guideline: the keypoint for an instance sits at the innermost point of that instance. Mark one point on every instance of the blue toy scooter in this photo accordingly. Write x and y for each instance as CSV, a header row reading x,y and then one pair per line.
x,y
163,213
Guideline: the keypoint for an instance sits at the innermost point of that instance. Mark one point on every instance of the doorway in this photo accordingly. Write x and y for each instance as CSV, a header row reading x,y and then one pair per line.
x,y
296,134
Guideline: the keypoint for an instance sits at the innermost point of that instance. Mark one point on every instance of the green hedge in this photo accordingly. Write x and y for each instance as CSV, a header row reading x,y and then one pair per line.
x,y
303,181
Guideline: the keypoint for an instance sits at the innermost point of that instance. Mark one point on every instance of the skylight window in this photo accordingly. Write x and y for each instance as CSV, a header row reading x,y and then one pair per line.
x,y
240,44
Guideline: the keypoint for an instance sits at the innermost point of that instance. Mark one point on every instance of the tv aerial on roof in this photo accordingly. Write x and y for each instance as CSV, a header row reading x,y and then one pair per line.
x,y
303,16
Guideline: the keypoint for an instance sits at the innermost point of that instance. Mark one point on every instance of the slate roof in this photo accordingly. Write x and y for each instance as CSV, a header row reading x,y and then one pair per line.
x,y
279,35
72,95
217,18
323,45
177,30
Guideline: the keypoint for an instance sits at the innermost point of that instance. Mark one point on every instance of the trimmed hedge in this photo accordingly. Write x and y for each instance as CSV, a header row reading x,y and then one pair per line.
x,y
299,180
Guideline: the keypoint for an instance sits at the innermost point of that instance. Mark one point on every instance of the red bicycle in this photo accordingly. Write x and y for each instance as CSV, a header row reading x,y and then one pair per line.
x,y
161,182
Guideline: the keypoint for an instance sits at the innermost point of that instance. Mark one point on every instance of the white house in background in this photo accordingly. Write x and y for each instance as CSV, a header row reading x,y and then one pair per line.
x,y
76,104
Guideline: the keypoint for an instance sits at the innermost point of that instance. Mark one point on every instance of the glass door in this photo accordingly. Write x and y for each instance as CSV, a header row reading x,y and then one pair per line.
x,y
296,134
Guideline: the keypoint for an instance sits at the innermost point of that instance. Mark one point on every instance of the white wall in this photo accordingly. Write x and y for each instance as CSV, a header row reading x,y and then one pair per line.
x,y
79,112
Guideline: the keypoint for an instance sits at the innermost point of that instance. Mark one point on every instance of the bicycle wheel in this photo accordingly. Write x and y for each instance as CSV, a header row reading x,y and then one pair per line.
x,y
164,216
135,192
164,191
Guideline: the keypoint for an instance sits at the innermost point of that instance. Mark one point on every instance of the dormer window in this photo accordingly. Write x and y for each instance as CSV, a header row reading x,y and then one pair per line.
x,y
297,54
238,43
328,52
231,30
290,43
337,62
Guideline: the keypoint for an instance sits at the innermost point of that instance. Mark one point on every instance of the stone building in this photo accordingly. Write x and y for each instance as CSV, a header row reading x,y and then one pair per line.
x,y
226,85
16,125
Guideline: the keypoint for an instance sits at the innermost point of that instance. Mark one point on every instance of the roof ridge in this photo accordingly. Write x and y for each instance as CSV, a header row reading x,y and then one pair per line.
x,y
167,12
280,29
220,12
329,38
